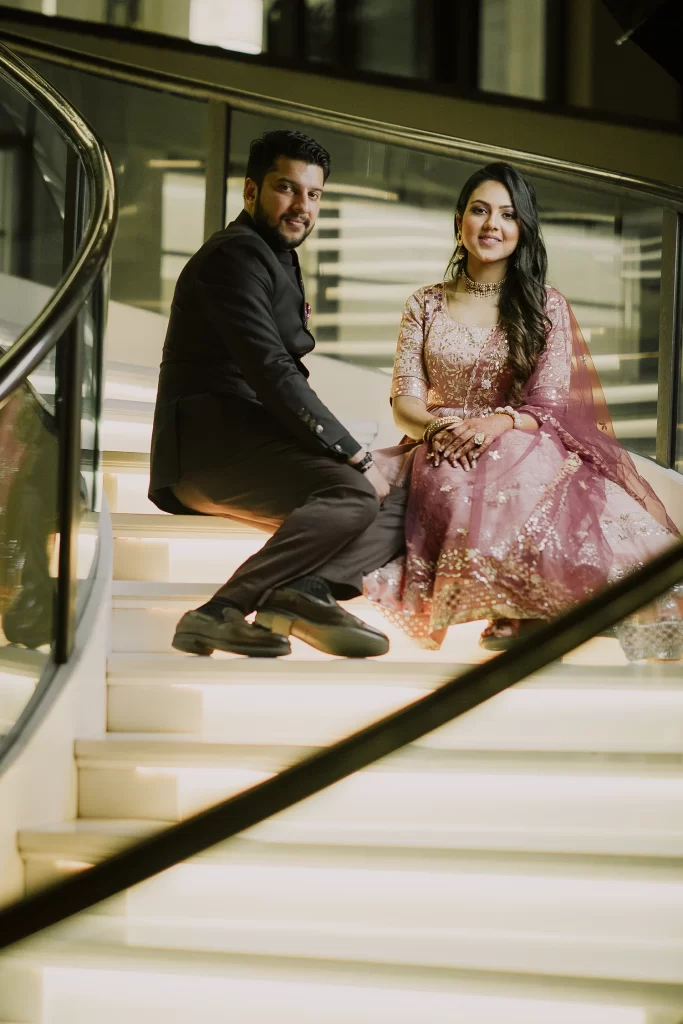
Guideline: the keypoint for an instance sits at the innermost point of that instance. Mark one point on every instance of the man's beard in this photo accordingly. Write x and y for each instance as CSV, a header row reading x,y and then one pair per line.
x,y
273,235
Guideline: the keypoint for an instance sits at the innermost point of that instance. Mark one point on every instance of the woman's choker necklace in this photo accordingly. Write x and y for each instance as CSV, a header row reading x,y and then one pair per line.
x,y
482,289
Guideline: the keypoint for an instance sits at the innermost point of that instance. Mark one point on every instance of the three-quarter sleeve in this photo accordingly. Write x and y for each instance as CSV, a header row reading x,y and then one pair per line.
x,y
410,374
549,385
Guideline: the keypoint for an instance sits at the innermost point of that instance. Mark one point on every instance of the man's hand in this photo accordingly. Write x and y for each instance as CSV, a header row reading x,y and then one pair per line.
x,y
373,474
378,481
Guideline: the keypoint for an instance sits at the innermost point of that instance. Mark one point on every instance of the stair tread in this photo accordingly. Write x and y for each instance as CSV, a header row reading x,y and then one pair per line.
x,y
99,839
173,668
68,836
170,669
175,750
80,953
149,525
129,461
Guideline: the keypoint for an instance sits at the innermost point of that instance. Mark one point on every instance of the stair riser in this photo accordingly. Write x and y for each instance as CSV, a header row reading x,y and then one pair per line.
x,y
206,560
21,993
81,996
597,928
127,492
150,630
14,695
624,721
456,811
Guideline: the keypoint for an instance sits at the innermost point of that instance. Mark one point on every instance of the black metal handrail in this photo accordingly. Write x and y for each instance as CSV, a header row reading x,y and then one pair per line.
x,y
332,764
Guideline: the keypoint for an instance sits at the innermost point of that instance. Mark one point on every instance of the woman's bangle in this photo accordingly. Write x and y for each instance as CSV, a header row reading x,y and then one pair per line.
x,y
365,463
517,420
434,426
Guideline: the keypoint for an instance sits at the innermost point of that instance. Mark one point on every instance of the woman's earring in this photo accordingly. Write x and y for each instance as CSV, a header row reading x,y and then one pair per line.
x,y
460,251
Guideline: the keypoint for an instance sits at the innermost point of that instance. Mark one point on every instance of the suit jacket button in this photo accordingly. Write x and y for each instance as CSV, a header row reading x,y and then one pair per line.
x,y
337,447
319,429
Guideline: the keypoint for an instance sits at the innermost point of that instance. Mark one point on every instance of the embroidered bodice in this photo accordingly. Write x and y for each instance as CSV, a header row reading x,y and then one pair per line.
x,y
448,364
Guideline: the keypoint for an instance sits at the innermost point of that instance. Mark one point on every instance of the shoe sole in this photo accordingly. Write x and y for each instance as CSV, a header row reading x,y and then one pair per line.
x,y
195,643
504,643
341,641
498,644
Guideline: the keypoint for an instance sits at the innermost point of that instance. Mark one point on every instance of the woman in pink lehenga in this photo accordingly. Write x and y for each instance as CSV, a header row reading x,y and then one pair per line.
x,y
522,502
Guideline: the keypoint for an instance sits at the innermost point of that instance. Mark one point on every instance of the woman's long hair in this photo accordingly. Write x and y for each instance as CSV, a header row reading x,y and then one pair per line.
x,y
523,296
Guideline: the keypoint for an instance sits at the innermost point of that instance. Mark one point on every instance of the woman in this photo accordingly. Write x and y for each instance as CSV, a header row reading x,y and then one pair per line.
x,y
521,500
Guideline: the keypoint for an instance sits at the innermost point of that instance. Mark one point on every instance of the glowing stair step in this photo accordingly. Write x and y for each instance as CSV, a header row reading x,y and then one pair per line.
x,y
194,548
418,798
78,983
145,613
556,916
573,708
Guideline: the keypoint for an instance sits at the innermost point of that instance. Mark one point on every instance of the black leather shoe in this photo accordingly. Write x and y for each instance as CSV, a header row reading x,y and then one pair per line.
x,y
199,633
320,623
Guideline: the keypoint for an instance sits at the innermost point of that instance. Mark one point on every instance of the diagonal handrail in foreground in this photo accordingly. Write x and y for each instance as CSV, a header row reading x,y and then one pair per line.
x,y
334,763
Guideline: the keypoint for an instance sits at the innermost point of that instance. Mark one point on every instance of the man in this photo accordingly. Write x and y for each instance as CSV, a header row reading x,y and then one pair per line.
x,y
239,432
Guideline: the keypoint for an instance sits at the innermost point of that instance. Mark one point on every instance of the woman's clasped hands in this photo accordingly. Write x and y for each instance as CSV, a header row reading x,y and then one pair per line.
x,y
464,441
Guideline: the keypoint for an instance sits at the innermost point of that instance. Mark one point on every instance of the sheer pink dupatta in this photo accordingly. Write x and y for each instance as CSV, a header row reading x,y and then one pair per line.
x,y
565,392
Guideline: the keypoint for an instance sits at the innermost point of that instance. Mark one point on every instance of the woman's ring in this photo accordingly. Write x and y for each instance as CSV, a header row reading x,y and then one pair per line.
x,y
479,439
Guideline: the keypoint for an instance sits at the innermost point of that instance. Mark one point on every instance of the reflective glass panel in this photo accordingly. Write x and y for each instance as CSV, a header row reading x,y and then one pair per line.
x,y
158,144
32,168
232,24
512,47
386,32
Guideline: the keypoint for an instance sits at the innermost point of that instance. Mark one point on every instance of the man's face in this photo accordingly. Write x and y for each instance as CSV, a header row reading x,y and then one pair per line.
x,y
286,206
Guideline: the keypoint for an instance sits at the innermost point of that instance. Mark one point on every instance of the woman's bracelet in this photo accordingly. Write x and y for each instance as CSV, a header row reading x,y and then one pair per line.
x,y
434,426
517,420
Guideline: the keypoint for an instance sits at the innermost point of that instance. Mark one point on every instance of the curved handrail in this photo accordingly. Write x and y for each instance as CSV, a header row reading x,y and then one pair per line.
x,y
336,762
354,124
85,275
42,334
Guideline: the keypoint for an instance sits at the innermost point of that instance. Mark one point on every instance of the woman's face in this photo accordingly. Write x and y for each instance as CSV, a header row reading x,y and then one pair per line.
x,y
489,225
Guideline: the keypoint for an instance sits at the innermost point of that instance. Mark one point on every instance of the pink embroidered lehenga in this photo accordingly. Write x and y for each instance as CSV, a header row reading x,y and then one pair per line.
x,y
546,518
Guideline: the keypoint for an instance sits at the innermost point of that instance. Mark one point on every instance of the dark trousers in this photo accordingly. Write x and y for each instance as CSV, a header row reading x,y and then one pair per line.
x,y
324,516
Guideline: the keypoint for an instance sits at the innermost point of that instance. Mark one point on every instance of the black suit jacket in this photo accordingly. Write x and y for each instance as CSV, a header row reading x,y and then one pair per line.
x,y
237,329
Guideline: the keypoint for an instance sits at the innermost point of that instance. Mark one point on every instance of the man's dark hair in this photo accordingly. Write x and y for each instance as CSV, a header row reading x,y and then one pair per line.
x,y
265,150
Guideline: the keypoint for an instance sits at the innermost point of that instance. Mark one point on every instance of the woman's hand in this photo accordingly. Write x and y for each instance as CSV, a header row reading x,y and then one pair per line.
x,y
457,443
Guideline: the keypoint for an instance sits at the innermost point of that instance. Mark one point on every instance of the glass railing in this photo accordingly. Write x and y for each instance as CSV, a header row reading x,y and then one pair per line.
x,y
56,228
385,229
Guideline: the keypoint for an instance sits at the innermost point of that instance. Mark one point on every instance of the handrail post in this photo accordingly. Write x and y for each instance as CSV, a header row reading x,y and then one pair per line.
x,y
670,335
69,370
216,181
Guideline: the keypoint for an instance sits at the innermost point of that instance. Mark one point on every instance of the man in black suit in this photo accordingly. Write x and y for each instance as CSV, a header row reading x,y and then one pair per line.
x,y
239,432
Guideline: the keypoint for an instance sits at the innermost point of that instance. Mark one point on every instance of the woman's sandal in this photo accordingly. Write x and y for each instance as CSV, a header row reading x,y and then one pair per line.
x,y
501,634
